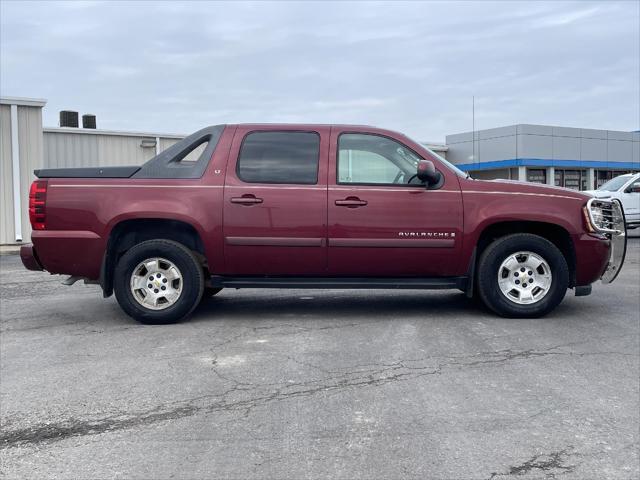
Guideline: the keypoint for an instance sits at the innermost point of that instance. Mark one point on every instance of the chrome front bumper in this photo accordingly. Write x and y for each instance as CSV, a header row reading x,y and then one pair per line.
x,y
617,252
607,218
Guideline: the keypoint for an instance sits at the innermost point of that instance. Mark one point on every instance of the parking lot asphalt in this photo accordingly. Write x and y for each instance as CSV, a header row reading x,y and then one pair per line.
x,y
310,383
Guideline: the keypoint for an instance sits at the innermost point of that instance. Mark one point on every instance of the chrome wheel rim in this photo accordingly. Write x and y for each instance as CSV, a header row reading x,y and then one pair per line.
x,y
156,283
525,278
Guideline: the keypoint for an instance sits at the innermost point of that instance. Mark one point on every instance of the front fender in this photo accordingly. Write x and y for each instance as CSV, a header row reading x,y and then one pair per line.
x,y
482,213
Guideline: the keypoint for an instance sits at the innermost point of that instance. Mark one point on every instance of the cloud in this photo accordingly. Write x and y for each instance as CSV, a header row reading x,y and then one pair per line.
x,y
410,66
562,19
117,71
358,103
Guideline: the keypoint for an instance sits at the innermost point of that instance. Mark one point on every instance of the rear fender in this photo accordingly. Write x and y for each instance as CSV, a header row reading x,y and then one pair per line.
x,y
144,228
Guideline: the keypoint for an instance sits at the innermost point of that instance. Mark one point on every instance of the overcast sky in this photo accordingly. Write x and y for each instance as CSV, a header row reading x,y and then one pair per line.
x,y
413,67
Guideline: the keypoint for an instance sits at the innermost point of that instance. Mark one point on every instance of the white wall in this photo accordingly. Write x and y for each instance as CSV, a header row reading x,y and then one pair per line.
x,y
29,154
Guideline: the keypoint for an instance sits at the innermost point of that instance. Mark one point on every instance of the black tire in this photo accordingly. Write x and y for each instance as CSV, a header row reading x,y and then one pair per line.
x,y
210,292
499,251
182,258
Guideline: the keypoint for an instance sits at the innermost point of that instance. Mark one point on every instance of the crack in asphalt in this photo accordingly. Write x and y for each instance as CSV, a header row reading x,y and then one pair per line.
x,y
234,400
74,428
550,464
490,357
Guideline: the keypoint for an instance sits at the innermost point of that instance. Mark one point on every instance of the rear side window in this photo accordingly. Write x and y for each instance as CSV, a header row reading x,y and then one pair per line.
x,y
187,158
279,157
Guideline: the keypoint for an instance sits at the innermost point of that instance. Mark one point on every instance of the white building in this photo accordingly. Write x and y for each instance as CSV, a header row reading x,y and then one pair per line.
x,y
577,158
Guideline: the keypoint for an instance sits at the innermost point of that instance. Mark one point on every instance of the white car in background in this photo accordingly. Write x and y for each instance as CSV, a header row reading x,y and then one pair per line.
x,y
625,188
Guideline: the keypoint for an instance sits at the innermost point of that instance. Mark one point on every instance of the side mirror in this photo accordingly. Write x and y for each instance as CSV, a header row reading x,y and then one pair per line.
x,y
427,172
634,188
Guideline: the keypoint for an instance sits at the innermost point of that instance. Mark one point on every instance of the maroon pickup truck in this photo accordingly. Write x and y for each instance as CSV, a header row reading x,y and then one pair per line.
x,y
315,206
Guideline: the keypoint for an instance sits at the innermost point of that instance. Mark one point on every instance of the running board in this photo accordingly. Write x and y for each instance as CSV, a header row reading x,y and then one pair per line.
x,y
437,283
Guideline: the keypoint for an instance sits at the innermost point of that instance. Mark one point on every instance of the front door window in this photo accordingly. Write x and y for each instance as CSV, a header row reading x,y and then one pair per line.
x,y
365,159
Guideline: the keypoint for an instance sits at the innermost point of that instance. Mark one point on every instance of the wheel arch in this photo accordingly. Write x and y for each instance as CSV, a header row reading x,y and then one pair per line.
x,y
555,233
129,232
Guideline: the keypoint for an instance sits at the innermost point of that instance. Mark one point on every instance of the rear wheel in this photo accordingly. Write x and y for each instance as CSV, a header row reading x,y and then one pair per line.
x,y
158,282
522,275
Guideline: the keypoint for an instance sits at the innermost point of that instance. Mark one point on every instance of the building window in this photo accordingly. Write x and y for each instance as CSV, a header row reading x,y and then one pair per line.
x,y
558,178
537,175
573,179
279,157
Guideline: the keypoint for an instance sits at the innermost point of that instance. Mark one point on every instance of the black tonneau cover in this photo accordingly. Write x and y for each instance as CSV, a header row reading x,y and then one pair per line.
x,y
87,172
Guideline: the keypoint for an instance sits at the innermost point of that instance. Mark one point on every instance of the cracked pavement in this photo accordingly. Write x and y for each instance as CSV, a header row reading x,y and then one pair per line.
x,y
310,383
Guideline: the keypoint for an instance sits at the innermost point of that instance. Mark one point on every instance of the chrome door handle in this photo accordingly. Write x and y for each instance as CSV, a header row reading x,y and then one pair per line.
x,y
351,202
246,200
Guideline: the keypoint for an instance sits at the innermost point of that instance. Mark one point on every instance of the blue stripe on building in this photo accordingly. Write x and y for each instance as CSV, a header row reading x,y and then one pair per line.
x,y
541,162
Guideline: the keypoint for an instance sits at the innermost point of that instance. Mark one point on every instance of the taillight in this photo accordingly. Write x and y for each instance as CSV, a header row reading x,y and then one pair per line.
x,y
37,200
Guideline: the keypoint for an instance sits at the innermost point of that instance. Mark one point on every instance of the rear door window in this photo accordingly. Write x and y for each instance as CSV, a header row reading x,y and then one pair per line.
x,y
279,157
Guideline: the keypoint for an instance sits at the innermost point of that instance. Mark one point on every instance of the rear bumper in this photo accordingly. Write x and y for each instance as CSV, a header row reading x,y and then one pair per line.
x,y
29,258
77,253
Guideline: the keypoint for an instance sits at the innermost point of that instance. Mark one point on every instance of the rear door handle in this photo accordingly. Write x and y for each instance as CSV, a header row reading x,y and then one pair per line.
x,y
246,200
351,202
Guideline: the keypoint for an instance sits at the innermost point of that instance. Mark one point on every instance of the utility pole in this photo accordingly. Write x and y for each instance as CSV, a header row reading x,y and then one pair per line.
x,y
473,129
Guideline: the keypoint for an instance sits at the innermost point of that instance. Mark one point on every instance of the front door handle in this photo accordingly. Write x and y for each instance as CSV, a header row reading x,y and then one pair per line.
x,y
351,202
246,200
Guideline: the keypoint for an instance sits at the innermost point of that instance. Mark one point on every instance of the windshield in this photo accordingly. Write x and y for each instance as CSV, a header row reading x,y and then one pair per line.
x,y
458,172
446,162
614,184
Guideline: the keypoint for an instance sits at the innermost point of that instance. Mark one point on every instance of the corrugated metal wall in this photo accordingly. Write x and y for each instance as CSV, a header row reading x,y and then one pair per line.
x,y
6,178
167,142
30,140
87,149
30,147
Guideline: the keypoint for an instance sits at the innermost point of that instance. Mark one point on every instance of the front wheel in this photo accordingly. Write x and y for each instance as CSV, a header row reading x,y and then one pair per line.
x,y
522,275
158,282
